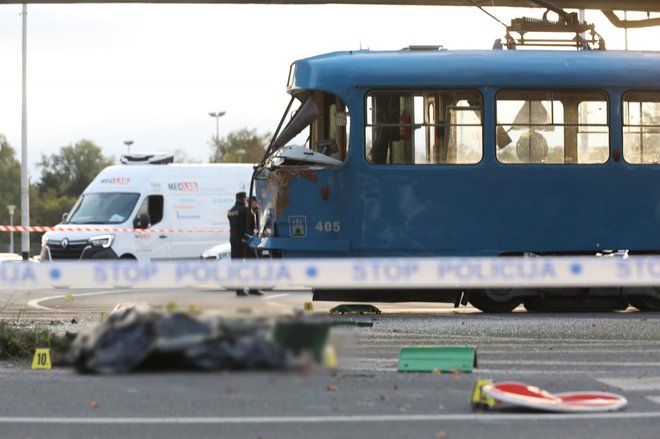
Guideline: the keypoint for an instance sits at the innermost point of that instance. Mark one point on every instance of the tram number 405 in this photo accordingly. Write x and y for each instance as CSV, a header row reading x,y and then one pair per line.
x,y
328,226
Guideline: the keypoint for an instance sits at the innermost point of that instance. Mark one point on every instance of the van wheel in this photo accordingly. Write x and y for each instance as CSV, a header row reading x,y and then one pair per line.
x,y
480,300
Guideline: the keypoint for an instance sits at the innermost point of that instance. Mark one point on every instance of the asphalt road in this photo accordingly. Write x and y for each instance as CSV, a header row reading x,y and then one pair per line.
x,y
367,397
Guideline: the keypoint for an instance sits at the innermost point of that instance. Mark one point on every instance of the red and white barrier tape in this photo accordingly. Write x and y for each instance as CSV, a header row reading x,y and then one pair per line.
x,y
104,229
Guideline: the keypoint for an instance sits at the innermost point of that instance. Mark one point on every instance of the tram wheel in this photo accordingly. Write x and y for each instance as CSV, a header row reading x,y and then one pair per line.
x,y
645,303
481,301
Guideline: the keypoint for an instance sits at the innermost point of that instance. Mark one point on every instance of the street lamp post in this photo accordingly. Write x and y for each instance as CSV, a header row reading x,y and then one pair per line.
x,y
11,209
217,116
128,144
241,152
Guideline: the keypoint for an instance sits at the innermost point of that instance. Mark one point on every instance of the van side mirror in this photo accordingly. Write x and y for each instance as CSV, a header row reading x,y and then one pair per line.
x,y
142,221
65,216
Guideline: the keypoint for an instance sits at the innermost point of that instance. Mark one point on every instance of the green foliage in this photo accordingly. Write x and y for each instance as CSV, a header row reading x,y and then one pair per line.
x,y
70,171
63,178
20,343
47,207
225,150
10,192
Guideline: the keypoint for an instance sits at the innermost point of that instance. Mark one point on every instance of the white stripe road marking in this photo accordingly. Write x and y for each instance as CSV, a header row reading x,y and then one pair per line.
x,y
531,362
655,399
633,384
329,419
577,363
36,303
275,296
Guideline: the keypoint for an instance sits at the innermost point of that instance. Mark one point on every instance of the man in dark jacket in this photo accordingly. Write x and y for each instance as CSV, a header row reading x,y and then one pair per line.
x,y
238,223
252,226
237,217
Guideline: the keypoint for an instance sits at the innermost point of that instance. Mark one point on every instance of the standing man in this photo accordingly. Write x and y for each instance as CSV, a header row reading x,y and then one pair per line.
x,y
238,217
252,226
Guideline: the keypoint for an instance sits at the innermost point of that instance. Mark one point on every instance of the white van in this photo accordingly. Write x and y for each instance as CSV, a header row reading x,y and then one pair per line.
x,y
149,192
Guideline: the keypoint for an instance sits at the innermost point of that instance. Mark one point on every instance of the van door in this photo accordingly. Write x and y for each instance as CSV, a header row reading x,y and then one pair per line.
x,y
150,245
193,211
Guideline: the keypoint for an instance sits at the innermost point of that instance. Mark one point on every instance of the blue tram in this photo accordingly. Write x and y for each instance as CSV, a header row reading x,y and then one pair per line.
x,y
429,152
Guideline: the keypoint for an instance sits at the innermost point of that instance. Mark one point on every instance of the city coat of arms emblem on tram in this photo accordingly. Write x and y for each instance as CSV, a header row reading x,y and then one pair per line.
x,y
298,226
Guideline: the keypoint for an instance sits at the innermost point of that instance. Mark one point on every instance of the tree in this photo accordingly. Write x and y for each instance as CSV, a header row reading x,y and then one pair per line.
x,y
225,150
180,156
70,171
10,182
46,208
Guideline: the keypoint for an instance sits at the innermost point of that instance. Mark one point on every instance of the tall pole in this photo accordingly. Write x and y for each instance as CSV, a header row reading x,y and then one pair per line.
x,y
128,144
625,31
582,18
11,209
217,116
25,183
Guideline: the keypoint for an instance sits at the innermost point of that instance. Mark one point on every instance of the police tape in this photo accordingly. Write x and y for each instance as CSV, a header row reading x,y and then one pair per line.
x,y
5,228
391,273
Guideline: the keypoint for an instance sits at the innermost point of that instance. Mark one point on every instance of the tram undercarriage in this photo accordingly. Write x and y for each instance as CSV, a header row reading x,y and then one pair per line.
x,y
506,300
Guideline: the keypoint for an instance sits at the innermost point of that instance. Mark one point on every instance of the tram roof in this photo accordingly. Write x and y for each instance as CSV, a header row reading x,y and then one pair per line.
x,y
507,68
630,5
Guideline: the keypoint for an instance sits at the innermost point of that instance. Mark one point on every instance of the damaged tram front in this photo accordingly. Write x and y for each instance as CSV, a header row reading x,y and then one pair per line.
x,y
470,153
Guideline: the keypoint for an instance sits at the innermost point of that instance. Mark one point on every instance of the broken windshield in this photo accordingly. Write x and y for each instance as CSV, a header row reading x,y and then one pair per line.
x,y
320,123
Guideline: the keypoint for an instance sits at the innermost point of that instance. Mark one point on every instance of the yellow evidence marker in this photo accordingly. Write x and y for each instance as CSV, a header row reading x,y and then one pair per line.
x,y
330,357
68,297
479,399
308,307
41,359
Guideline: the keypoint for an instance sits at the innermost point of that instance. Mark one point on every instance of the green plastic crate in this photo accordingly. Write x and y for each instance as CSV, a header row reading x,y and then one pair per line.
x,y
440,358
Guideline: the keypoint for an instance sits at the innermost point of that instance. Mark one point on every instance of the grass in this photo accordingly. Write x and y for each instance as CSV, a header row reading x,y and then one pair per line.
x,y
19,343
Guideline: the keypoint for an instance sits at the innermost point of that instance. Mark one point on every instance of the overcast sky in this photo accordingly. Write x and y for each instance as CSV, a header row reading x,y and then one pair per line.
x,y
152,73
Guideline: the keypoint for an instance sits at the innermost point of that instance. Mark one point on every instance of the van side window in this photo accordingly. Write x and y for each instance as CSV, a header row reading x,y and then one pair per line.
x,y
424,127
539,126
641,127
153,205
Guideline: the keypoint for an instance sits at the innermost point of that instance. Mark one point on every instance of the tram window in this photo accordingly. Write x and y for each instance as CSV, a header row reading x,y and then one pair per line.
x,y
641,127
424,127
552,127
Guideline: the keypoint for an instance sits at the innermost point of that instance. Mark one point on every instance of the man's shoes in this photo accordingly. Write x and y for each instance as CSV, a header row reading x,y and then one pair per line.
x,y
255,293
241,293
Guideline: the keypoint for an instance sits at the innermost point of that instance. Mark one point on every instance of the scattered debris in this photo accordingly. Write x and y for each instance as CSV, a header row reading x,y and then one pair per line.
x,y
94,404
437,359
355,308
331,388
298,335
130,340
524,395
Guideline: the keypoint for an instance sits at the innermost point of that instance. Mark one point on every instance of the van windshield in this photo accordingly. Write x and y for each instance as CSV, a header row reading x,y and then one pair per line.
x,y
103,208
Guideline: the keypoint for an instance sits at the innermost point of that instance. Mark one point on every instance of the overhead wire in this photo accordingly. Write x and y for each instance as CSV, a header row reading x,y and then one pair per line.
x,y
488,13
